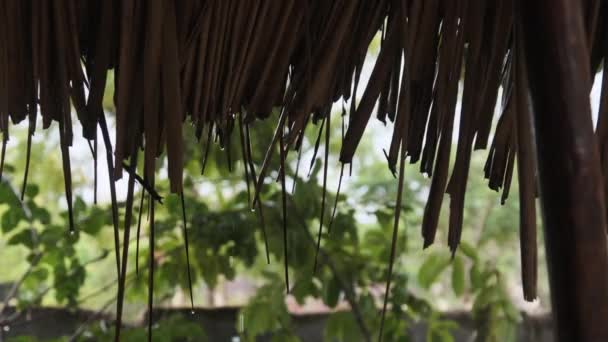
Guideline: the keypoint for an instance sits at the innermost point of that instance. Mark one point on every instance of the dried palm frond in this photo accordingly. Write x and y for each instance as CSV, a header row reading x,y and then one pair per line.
x,y
216,64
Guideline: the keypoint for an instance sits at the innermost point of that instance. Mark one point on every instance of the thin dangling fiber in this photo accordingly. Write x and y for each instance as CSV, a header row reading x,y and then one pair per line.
x,y
28,153
187,249
260,208
114,203
141,210
324,187
125,252
284,212
333,212
152,263
394,238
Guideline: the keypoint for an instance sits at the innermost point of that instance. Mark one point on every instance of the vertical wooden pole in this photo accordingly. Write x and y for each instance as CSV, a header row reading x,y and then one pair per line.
x,y
570,178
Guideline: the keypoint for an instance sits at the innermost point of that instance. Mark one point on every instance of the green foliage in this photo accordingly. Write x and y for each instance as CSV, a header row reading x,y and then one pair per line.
x,y
267,313
23,339
225,238
173,328
439,330
458,276
494,313
51,257
342,326
434,264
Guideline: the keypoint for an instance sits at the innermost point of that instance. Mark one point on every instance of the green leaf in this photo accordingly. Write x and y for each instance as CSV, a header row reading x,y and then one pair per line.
x,y
51,236
458,276
511,311
24,237
486,297
332,292
257,319
476,276
11,218
468,250
7,195
384,217
94,221
303,288
40,274
9,167
374,238
41,214
431,269
79,205
341,326
31,190
443,336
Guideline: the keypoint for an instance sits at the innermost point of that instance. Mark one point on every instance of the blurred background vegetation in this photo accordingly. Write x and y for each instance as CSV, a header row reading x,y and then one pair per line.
x,y
45,266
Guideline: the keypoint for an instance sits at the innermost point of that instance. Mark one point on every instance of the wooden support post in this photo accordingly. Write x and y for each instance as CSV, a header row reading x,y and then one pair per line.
x,y
570,178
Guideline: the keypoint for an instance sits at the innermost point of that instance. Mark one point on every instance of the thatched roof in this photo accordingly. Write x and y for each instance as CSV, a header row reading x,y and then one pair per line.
x,y
221,65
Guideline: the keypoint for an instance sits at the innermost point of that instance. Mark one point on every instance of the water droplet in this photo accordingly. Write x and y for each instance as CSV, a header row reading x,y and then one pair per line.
x,y
6,328
253,210
72,232
192,312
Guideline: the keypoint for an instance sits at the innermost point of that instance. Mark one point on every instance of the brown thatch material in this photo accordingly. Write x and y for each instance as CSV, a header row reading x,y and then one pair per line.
x,y
220,64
